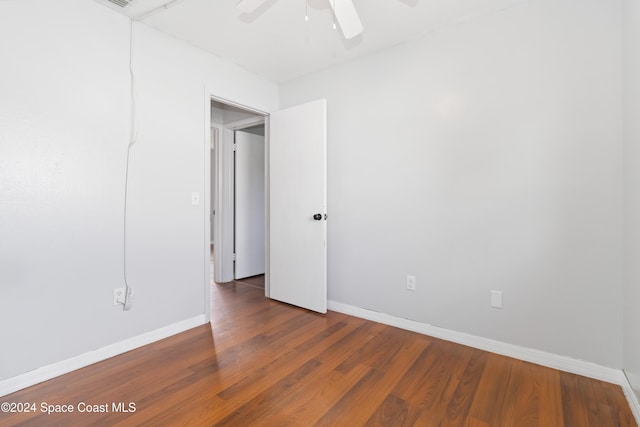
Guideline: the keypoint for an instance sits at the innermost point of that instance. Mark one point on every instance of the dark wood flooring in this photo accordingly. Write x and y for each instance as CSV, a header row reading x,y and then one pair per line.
x,y
270,364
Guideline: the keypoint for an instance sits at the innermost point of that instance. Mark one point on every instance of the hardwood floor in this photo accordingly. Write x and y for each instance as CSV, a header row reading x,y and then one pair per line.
x,y
255,281
270,364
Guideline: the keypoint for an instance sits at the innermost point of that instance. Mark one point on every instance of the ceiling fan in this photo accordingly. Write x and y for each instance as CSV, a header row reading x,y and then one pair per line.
x,y
343,10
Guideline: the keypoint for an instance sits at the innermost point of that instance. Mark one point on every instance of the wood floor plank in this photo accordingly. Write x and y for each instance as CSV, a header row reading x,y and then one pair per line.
x,y
381,348
431,388
268,402
573,401
420,374
521,404
392,412
618,402
458,408
267,363
490,399
323,363
316,397
257,380
361,401
432,412
550,410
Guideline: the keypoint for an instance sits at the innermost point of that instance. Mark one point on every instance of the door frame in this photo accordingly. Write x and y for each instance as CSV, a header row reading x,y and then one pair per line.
x,y
215,148
225,168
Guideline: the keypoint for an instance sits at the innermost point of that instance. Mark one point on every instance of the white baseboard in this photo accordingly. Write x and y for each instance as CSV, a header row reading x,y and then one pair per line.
x,y
59,368
563,363
632,398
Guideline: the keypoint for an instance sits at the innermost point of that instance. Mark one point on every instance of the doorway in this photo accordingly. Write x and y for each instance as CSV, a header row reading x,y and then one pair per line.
x,y
237,194
295,199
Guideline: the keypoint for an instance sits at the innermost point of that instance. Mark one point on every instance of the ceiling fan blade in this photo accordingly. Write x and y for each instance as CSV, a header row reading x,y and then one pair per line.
x,y
248,6
347,17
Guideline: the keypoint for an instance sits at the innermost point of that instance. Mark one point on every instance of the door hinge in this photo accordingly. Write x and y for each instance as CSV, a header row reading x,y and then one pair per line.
x,y
235,146
234,257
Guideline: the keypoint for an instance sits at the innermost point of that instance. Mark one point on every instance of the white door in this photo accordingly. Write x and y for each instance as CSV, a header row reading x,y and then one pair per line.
x,y
297,182
250,203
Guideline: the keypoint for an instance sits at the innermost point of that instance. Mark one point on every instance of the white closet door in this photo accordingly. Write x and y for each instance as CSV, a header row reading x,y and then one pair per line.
x,y
250,205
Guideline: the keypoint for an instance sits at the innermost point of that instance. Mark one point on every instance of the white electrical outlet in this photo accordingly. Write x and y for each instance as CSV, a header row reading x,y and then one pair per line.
x,y
118,296
128,300
496,299
411,282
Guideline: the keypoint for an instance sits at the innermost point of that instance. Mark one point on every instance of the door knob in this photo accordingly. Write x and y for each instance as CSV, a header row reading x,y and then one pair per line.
x,y
317,217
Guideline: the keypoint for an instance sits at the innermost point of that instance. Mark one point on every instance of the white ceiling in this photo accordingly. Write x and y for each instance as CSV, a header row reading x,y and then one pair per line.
x,y
277,43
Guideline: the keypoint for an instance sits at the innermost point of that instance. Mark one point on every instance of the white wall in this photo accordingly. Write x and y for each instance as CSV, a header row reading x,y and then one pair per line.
x,y
631,52
64,130
485,157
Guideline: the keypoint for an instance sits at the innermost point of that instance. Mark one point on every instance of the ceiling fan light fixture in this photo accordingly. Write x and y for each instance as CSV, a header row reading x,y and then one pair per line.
x,y
344,15
347,17
333,5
